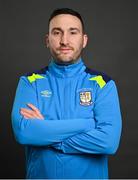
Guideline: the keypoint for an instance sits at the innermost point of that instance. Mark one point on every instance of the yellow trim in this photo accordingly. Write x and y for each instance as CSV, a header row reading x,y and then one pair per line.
x,y
99,80
33,77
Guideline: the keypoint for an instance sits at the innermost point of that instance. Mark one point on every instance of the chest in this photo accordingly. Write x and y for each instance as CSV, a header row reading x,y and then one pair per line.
x,y
65,98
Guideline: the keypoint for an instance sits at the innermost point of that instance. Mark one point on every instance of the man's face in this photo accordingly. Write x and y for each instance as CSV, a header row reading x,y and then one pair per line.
x,y
66,38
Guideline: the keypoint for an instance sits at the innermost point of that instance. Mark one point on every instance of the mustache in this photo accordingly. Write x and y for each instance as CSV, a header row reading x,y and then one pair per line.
x,y
66,47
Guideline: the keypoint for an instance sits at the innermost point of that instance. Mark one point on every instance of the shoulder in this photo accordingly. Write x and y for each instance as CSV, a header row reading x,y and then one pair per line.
x,y
95,73
99,77
35,75
41,71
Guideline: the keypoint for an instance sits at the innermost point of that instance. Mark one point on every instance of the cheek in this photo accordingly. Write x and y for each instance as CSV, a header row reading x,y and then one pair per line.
x,y
78,45
53,43
78,42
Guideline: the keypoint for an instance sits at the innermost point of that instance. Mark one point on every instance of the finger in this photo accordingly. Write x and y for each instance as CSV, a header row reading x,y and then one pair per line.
x,y
36,110
33,107
30,113
26,115
40,116
33,113
29,116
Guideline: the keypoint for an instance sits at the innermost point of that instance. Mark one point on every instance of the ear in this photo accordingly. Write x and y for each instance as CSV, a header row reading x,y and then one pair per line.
x,y
47,40
85,40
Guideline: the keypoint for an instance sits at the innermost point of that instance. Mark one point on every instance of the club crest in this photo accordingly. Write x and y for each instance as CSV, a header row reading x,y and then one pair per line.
x,y
85,98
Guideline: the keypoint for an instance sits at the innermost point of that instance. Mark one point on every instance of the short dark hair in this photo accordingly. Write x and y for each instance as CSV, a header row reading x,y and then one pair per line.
x,y
66,11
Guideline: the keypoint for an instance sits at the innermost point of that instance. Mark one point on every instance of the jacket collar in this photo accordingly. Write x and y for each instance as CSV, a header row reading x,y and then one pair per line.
x,y
66,70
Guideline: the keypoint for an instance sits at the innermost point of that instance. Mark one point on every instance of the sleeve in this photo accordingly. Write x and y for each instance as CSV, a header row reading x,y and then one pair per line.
x,y
41,132
105,137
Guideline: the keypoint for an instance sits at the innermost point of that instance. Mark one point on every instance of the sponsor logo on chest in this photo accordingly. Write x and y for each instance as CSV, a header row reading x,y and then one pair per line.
x,y
46,93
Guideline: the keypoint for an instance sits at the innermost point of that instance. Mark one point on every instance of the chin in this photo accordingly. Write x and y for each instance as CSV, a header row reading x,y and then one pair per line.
x,y
64,61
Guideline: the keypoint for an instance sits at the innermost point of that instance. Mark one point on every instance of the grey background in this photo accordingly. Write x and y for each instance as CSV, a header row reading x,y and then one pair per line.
x,y
111,26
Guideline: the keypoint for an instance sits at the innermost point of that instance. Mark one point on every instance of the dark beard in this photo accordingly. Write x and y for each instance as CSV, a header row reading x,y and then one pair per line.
x,y
66,63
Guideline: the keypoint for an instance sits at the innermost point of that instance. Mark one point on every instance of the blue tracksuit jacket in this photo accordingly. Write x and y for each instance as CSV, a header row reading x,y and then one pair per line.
x,y
81,126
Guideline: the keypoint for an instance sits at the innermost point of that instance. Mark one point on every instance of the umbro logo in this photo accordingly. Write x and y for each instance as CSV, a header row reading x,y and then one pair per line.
x,y
46,93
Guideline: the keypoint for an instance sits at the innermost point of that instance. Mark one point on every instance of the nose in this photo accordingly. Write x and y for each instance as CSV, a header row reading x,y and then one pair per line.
x,y
64,40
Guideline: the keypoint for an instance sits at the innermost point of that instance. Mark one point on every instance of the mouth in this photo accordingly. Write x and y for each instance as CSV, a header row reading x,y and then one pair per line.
x,y
65,50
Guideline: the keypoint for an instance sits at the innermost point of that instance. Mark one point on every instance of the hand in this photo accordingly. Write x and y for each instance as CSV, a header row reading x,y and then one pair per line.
x,y
31,113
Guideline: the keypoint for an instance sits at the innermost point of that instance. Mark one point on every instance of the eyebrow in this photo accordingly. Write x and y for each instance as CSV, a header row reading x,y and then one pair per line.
x,y
59,29
74,29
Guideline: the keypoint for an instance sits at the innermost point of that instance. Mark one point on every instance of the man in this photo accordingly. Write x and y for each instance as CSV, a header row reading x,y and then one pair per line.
x,y
67,115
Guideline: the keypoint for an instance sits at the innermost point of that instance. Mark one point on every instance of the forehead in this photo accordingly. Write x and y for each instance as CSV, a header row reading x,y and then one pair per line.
x,y
65,21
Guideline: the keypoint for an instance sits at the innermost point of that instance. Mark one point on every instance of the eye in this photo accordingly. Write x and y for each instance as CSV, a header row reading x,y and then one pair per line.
x,y
56,32
73,32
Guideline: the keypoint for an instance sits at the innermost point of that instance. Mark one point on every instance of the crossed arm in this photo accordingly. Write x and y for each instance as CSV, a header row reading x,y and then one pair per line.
x,y
72,136
31,128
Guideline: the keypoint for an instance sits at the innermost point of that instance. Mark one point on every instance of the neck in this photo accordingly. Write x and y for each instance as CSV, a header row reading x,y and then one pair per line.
x,y
65,71
63,63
